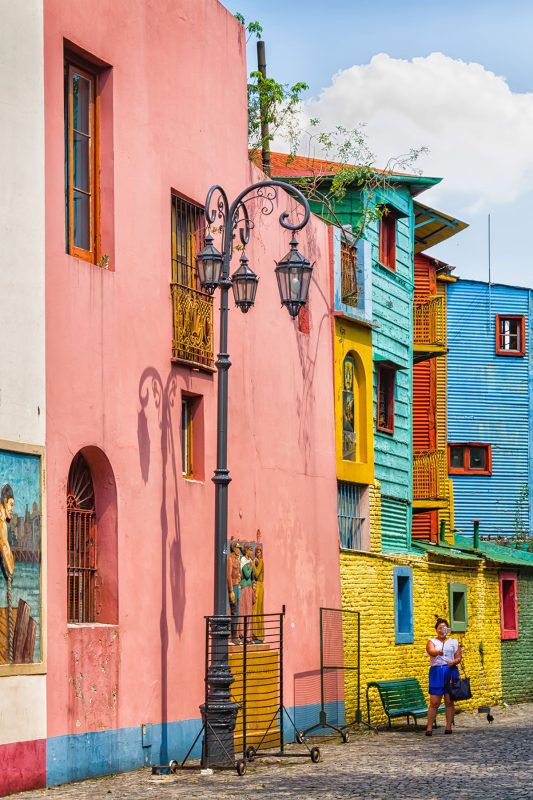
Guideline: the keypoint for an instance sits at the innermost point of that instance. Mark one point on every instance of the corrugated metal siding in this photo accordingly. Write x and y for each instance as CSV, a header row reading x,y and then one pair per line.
x,y
424,420
394,521
489,401
425,281
441,367
441,418
425,526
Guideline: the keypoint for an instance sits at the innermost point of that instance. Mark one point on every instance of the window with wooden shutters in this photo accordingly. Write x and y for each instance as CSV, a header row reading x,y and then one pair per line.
x,y
387,238
82,534
81,168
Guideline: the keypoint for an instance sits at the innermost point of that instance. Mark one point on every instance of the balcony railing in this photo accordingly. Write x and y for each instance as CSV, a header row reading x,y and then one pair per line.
x,y
192,341
429,475
430,321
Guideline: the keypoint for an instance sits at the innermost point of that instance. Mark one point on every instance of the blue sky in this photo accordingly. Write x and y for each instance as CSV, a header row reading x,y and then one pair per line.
x,y
477,120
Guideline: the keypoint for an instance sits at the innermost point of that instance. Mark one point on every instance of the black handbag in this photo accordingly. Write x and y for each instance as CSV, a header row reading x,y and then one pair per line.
x,y
460,687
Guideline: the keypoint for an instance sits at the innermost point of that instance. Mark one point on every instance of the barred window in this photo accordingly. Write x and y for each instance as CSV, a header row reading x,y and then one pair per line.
x,y
81,543
350,515
192,306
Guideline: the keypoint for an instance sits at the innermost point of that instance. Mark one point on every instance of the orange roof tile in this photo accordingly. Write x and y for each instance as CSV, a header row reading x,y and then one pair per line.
x,y
285,166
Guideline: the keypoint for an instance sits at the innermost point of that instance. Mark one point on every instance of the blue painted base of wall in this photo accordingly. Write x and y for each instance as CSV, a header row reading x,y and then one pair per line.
x,y
90,755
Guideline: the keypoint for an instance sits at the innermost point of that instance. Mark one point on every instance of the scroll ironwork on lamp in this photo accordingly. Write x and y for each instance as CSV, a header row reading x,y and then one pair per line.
x,y
293,274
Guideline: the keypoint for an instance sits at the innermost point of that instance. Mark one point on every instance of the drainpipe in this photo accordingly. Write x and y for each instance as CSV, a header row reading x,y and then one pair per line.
x,y
476,534
442,534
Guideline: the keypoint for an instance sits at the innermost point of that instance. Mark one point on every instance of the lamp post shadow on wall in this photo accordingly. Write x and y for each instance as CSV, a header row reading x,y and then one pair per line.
x,y
293,274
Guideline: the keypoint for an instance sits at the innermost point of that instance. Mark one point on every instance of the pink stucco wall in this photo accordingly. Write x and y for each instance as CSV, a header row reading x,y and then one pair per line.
x,y
178,122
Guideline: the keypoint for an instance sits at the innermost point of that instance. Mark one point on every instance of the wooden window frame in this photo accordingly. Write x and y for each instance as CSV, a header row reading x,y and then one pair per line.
x,y
458,625
187,450
467,470
506,632
389,426
520,353
73,65
387,238
403,636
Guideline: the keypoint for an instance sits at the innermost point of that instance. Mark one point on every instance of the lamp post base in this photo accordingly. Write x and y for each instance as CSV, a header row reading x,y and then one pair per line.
x,y
219,712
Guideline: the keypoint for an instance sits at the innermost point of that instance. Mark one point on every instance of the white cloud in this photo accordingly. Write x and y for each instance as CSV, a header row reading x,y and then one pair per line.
x,y
480,133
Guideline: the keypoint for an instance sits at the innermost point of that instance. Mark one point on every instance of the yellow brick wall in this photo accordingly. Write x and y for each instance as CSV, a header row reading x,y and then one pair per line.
x,y
374,513
367,586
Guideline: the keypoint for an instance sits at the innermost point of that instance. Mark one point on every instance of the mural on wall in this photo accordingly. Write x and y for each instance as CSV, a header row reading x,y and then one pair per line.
x,y
245,580
20,557
348,411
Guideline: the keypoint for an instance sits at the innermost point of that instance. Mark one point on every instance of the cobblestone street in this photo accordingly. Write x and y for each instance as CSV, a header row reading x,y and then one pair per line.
x,y
493,762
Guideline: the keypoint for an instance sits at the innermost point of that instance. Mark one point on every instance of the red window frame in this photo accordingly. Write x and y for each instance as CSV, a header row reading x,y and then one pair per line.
x,y
522,329
387,238
386,381
509,605
467,470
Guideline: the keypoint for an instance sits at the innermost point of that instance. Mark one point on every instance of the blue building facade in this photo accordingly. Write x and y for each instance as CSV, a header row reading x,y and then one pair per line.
x,y
490,396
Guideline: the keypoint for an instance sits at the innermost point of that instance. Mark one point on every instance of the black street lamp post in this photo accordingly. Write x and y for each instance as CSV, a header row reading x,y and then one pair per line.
x,y
294,276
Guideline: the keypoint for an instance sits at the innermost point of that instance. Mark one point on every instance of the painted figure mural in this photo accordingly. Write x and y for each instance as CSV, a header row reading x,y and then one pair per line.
x,y
20,557
233,574
245,580
348,415
258,624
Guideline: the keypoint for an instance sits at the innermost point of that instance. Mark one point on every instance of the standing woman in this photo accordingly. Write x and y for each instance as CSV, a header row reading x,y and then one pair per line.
x,y
444,655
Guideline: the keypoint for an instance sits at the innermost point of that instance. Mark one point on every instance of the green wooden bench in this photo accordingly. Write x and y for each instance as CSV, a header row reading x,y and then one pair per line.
x,y
400,698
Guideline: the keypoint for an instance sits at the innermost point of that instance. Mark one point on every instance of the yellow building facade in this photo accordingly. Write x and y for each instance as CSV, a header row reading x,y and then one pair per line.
x,y
367,585
353,374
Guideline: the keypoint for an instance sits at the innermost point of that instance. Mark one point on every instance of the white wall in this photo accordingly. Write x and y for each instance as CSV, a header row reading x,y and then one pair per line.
x,y
22,365
22,354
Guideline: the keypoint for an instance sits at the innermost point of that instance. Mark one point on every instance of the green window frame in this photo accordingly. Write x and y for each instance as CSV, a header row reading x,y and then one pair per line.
x,y
458,602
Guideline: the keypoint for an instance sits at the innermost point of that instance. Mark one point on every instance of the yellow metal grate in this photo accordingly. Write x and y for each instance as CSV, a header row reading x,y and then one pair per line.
x,y
429,475
430,321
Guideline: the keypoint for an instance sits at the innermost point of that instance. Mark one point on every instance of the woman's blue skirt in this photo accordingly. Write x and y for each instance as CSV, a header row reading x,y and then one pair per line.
x,y
439,679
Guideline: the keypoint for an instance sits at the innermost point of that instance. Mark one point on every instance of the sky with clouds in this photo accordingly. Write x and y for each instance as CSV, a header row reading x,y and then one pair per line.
x,y
456,78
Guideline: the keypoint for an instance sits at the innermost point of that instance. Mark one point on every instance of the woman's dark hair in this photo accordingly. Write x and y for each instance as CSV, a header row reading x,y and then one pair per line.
x,y
439,621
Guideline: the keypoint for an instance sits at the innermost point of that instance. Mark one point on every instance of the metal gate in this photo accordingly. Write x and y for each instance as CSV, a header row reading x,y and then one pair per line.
x,y
254,647
340,670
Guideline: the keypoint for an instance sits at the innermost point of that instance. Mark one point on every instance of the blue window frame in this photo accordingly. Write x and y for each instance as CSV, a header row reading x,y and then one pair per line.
x,y
403,605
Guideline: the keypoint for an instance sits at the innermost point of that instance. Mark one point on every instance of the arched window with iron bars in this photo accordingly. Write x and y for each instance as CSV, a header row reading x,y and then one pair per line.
x,y
82,536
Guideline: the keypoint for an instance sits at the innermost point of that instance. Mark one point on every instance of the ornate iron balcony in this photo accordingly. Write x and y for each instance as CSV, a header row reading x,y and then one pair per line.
x,y
192,342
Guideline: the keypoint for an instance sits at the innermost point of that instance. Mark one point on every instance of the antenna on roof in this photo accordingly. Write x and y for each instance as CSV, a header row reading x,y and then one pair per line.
x,y
488,233
265,139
